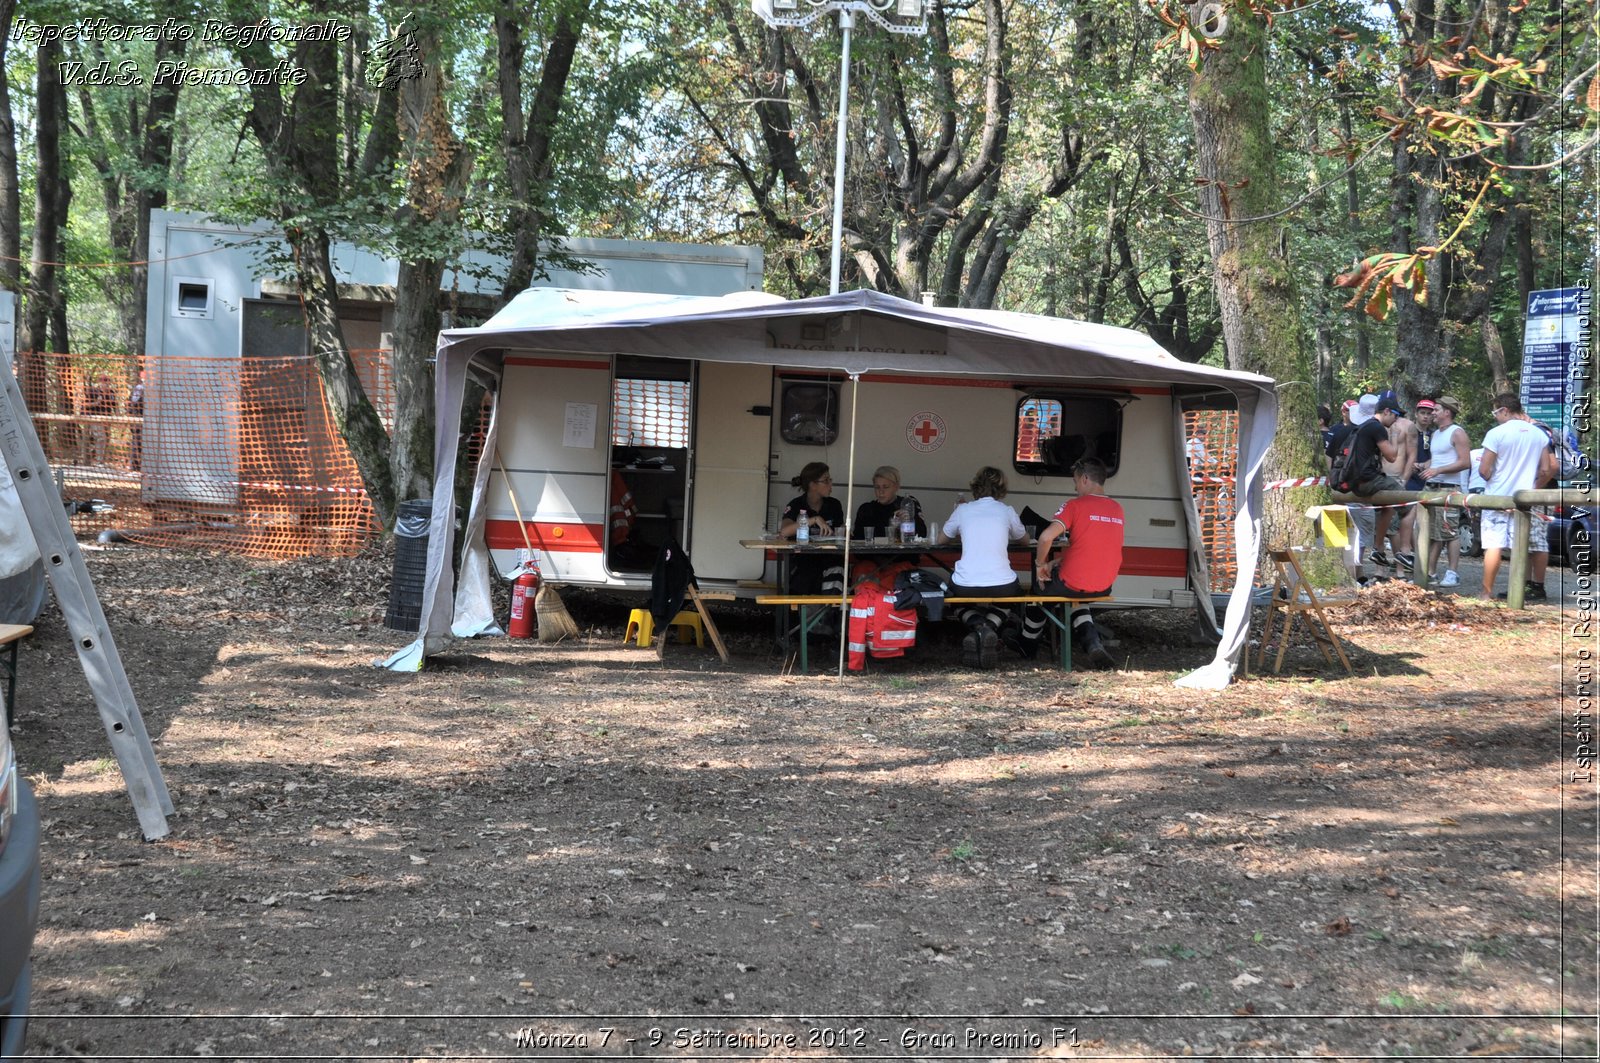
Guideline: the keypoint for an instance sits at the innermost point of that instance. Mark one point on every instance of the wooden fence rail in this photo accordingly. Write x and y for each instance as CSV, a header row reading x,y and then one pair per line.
x,y
1519,504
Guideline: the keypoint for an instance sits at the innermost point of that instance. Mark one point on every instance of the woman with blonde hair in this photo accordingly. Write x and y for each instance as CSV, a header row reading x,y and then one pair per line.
x,y
986,527
886,501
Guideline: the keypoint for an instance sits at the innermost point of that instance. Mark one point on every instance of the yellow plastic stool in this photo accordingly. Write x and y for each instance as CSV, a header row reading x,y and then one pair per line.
x,y
687,622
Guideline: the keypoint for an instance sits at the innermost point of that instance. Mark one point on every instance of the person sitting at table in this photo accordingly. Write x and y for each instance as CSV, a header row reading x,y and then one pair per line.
x,y
824,515
986,527
1089,563
879,511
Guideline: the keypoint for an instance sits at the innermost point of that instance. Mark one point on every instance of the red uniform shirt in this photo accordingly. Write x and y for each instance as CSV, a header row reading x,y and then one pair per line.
x,y
1093,555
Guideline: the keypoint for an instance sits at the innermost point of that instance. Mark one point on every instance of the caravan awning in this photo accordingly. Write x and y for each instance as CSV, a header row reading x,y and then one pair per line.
x,y
853,333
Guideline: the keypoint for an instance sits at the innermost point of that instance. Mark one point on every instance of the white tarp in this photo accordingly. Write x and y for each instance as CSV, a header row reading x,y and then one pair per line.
x,y
18,551
854,333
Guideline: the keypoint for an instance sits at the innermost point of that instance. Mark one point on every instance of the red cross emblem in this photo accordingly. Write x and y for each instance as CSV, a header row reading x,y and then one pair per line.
x,y
925,431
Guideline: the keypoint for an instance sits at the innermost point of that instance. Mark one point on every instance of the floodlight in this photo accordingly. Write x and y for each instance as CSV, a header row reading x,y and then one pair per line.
x,y
909,17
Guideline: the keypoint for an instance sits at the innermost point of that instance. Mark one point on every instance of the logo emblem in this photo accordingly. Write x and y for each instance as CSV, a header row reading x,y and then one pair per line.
x,y
925,431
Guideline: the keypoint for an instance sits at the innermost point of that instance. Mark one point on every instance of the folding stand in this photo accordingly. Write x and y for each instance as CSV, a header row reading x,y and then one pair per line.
x,y
695,595
1293,594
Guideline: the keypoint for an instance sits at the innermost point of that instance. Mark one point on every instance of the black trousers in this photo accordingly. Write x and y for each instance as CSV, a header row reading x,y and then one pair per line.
x,y
1080,614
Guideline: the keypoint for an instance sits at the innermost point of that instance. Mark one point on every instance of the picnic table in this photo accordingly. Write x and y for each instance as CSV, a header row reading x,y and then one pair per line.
x,y
925,552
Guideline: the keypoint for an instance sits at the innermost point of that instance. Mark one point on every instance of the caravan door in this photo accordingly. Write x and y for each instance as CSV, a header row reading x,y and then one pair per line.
x,y
728,488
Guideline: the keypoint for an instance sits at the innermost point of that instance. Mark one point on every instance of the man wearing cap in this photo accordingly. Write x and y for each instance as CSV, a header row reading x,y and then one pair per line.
x,y
1451,456
1333,443
1370,446
1424,457
1516,457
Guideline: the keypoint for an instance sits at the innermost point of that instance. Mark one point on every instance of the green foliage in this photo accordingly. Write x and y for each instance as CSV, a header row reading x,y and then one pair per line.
x,y
660,136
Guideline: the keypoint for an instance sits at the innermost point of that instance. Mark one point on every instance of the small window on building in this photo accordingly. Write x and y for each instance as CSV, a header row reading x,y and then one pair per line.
x,y
1054,432
649,413
810,414
191,297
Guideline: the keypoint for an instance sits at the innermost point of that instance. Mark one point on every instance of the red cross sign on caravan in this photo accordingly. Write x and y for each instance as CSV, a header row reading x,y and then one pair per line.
x,y
925,431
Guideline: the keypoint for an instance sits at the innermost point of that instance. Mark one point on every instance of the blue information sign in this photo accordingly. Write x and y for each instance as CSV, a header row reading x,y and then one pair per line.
x,y
1555,358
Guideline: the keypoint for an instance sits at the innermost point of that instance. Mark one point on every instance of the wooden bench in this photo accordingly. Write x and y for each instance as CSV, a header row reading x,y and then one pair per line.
x,y
1062,619
10,636
808,620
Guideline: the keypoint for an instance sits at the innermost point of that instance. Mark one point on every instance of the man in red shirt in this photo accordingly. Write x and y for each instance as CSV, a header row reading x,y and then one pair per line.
x,y
1088,566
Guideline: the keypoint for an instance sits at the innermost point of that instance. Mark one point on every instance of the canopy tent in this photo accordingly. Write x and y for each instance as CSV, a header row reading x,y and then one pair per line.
x,y
860,332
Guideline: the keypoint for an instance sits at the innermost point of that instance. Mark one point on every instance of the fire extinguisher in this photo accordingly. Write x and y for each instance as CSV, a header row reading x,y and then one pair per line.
x,y
523,593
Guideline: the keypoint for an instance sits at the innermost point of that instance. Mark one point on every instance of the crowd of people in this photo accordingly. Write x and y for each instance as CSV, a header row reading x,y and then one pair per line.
x,y
1088,528
1377,447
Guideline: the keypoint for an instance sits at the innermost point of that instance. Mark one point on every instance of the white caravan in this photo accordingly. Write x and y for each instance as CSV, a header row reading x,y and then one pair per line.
x,y
703,409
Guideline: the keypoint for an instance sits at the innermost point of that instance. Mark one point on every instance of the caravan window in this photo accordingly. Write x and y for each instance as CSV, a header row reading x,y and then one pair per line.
x,y
649,413
810,413
1054,431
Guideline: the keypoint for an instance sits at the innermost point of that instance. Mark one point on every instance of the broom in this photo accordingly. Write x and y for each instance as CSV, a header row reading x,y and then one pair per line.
x,y
555,623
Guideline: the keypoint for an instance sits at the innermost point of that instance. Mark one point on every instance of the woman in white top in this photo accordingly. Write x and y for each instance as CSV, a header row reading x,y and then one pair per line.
x,y
986,527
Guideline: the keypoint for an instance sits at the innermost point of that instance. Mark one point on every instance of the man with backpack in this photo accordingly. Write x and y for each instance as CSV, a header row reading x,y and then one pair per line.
x,y
1358,467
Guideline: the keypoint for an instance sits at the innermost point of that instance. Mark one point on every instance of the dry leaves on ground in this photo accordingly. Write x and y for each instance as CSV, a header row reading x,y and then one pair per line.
x,y
1406,603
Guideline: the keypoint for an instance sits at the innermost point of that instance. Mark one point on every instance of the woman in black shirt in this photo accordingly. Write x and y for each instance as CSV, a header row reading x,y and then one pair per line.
x,y
886,501
825,516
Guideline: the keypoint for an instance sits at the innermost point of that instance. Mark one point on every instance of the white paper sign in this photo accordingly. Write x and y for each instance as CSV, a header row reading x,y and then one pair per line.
x,y
581,417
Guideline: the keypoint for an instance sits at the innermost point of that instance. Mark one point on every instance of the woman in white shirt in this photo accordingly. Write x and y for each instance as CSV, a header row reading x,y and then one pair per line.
x,y
986,527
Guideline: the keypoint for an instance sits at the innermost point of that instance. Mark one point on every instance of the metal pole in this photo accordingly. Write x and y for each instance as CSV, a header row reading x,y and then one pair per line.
x,y
847,21
849,511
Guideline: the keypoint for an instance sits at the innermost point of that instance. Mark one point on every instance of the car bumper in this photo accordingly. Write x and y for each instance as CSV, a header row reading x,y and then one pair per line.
x,y
19,915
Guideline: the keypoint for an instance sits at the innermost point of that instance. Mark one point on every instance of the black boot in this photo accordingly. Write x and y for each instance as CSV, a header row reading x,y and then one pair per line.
x,y
1096,650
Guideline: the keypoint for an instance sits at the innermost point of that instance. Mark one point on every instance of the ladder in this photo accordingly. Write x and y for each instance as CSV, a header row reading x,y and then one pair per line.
x,y
86,622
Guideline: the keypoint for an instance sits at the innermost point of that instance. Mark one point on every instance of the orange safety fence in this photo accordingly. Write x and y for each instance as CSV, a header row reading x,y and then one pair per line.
x,y
233,454
1212,445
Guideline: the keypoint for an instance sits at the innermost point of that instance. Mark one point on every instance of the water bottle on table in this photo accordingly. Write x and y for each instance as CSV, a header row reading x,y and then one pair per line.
x,y
802,530
906,518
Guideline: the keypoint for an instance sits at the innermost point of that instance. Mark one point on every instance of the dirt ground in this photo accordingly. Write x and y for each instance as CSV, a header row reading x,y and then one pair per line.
x,y
547,850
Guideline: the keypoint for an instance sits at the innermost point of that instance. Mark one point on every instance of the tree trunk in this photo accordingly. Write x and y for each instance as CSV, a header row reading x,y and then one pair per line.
x,y
38,379
527,144
1352,207
130,192
353,415
1256,294
10,185
942,210
1494,351
155,161
437,173
48,190
302,149
1526,274
1327,358
1432,182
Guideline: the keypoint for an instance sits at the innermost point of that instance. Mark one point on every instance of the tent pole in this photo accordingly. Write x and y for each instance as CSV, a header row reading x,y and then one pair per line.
x,y
849,508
